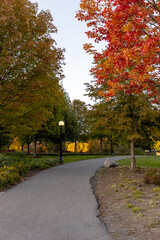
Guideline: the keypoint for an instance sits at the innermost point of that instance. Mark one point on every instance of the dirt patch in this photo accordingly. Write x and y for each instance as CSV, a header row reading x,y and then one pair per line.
x,y
129,208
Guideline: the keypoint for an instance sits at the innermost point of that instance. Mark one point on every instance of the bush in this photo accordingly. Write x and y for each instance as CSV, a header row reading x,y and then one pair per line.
x,y
47,164
139,151
11,160
156,178
122,150
15,153
8,175
23,167
13,167
152,176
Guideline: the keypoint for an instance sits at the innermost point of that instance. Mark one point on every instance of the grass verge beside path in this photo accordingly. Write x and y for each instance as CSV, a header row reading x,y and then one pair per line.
x,y
71,158
76,158
147,161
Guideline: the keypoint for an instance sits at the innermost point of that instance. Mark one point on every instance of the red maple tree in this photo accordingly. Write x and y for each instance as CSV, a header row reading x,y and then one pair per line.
x,y
131,29
130,62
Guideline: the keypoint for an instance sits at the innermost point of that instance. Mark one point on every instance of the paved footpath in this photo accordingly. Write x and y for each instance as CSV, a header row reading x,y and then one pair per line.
x,y
56,204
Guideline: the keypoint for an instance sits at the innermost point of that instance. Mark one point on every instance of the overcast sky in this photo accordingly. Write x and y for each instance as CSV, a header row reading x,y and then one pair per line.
x,y
71,36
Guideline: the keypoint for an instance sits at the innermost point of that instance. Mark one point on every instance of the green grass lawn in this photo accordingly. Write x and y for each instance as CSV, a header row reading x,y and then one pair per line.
x,y
148,161
75,158
71,158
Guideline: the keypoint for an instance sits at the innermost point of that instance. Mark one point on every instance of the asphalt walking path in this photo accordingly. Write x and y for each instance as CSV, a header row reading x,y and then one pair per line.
x,y
56,204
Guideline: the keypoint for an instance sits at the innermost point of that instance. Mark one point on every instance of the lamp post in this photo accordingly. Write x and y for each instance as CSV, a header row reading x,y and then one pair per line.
x,y
61,124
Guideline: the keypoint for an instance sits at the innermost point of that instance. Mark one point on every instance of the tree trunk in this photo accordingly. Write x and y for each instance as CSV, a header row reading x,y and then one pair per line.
x,y
28,144
75,146
112,146
22,146
133,160
101,144
53,147
35,147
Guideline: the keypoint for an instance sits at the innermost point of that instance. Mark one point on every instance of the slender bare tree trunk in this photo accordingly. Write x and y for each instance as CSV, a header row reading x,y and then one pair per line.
x,y
53,147
35,147
101,144
112,146
22,147
75,146
28,145
133,160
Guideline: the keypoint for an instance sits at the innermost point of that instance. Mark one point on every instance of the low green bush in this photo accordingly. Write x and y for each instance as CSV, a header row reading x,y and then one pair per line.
x,y
15,153
42,165
12,168
23,167
152,176
8,175
139,151
124,150
11,160
155,179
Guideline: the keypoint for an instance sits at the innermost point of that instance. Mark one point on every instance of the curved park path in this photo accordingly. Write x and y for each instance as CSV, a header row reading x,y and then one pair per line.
x,y
56,204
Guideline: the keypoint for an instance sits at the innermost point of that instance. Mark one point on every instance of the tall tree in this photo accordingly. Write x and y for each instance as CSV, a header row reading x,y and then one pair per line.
x,y
49,131
131,117
131,30
63,110
80,111
30,65
102,122
130,62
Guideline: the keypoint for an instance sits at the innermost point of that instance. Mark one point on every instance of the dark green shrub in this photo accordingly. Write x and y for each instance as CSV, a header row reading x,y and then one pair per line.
x,y
139,151
15,153
43,166
152,176
23,167
11,160
149,174
122,150
155,179
47,164
13,167
43,163
8,175
13,178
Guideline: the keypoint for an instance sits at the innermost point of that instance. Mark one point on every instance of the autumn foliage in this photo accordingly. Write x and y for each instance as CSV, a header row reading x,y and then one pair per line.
x,y
30,64
130,30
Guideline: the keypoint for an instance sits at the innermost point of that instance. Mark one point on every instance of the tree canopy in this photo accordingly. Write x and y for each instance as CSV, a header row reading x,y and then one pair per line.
x,y
131,30
30,65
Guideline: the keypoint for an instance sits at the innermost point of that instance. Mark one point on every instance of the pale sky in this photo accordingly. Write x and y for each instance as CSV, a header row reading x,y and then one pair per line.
x,y
71,36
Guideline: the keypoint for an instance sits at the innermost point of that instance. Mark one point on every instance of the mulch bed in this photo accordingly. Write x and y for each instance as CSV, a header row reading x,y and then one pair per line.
x,y
129,208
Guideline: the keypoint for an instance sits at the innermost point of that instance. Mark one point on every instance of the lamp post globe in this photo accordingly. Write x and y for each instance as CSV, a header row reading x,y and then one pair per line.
x,y
61,124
